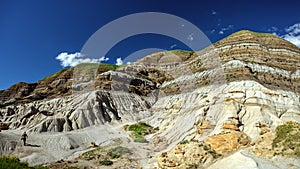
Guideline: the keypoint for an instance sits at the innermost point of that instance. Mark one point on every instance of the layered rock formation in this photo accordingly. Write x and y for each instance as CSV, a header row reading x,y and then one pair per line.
x,y
74,112
223,97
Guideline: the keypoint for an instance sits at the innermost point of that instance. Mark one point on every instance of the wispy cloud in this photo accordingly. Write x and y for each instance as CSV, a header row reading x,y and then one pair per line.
x,y
290,33
173,46
223,30
119,61
74,59
219,29
293,34
293,39
190,37
294,29
273,29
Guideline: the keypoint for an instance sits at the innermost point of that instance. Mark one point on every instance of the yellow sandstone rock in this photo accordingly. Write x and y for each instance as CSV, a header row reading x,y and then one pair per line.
x,y
226,142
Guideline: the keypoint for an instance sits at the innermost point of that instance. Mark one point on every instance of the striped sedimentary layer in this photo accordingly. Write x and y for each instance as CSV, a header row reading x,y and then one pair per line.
x,y
245,55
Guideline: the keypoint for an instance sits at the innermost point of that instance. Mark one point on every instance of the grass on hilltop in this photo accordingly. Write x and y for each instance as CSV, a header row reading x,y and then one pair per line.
x,y
55,74
257,34
182,52
92,66
86,67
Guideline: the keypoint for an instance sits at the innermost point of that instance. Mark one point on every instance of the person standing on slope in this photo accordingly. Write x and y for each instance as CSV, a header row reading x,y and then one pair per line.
x,y
24,137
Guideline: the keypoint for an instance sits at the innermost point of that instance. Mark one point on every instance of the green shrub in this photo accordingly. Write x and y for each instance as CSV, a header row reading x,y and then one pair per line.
x,y
139,130
72,167
117,152
214,153
91,154
184,142
282,132
156,129
139,139
106,162
15,163
206,148
192,166
288,138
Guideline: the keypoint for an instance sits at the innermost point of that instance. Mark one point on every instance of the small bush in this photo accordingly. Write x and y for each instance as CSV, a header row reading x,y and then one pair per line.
x,y
184,142
192,166
139,130
106,162
140,139
91,154
206,148
15,163
214,153
288,138
282,133
117,152
72,167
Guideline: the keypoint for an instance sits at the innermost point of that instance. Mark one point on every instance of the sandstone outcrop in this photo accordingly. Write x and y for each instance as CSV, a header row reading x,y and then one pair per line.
x,y
229,141
185,155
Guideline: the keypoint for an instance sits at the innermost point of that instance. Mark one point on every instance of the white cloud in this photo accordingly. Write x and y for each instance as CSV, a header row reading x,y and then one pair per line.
x,y
213,12
293,34
173,46
119,61
294,29
190,37
74,59
223,30
273,29
293,39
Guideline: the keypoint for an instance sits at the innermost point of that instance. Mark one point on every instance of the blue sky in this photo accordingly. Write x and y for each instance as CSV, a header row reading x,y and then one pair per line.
x,y
34,33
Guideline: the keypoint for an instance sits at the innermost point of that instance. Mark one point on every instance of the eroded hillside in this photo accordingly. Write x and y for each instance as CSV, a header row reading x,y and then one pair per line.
x,y
208,107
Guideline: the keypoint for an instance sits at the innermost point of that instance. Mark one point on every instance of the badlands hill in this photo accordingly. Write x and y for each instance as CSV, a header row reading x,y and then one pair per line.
x,y
234,104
